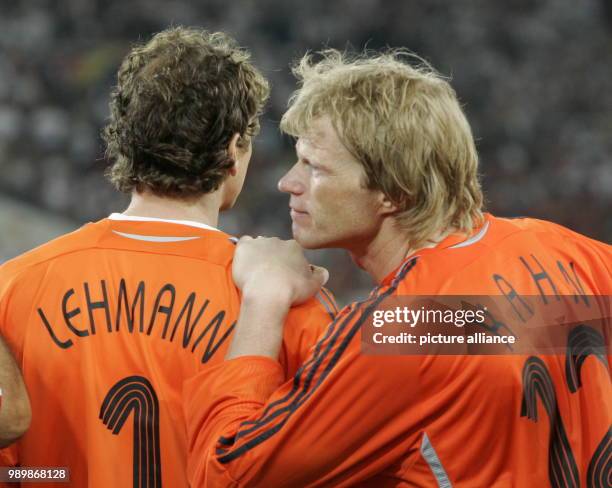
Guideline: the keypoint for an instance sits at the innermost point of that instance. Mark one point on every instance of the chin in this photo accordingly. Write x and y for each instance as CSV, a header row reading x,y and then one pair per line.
x,y
309,241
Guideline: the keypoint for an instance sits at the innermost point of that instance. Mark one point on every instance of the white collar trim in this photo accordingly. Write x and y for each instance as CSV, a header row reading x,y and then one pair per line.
x,y
473,239
134,218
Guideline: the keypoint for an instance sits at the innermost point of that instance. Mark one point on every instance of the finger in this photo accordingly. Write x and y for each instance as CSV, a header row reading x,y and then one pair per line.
x,y
245,238
320,274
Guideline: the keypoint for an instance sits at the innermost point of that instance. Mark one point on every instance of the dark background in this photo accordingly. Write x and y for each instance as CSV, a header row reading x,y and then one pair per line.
x,y
534,78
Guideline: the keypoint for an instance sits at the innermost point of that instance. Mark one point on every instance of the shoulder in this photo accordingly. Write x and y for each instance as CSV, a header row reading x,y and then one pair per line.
x,y
75,241
500,248
314,314
524,227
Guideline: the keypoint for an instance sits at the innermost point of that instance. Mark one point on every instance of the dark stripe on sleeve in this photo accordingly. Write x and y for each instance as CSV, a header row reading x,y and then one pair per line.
x,y
331,299
296,383
328,308
305,394
227,441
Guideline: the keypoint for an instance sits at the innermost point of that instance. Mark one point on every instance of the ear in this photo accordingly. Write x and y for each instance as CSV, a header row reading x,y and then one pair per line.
x,y
232,151
386,206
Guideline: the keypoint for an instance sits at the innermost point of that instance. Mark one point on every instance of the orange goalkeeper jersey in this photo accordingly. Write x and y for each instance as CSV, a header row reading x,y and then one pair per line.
x,y
107,323
351,419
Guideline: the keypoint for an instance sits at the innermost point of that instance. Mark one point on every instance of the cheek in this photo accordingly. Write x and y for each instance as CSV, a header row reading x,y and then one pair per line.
x,y
326,197
362,206
338,205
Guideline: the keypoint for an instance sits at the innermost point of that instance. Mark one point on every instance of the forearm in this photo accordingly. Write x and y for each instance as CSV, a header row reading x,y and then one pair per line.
x,y
259,330
247,428
217,401
15,414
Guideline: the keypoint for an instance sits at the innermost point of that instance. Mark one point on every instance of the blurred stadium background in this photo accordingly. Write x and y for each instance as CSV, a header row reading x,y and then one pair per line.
x,y
534,76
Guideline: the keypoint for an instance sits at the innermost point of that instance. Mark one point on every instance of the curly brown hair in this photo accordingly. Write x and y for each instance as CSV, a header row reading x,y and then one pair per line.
x,y
179,100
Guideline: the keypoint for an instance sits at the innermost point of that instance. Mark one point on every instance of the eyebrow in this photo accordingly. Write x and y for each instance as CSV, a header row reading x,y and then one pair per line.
x,y
297,151
310,141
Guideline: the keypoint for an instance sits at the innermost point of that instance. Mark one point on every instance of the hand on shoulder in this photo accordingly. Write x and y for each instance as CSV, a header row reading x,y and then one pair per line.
x,y
275,269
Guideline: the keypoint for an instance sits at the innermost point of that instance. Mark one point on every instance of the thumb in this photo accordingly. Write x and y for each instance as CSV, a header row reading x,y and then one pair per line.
x,y
319,274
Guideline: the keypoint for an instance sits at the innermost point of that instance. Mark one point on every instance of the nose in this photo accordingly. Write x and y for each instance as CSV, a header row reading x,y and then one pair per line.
x,y
290,183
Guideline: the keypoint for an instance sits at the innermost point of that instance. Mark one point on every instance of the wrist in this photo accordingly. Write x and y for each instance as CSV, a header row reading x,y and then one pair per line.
x,y
259,330
271,297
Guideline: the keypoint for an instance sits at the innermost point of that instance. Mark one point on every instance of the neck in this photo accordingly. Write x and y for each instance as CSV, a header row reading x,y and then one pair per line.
x,y
388,249
204,209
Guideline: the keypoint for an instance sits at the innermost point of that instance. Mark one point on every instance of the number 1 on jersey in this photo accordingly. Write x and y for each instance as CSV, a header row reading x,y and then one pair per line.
x,y
136,394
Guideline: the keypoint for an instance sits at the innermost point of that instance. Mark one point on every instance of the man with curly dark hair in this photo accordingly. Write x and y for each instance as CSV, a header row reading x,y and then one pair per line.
x,y
109,321
183,115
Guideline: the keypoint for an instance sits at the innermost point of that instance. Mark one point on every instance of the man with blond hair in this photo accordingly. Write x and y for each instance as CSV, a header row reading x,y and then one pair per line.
x,y
387,169
109,321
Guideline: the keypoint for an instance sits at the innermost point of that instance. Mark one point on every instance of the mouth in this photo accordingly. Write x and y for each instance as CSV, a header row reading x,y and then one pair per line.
x,y
297,214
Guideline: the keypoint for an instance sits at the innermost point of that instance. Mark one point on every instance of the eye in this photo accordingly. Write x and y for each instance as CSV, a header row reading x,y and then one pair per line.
x,y
312,165
319,168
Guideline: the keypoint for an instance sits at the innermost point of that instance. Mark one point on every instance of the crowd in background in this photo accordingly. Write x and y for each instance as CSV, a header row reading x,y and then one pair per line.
x,y
533,75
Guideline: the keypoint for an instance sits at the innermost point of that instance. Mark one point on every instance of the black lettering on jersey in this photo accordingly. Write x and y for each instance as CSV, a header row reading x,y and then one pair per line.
x,y
599,471
122,305
583,341
63,344
542,275
136,394
91,306
511,294
167,289
574,282
213,332
68,315
186,312
212,347
562,467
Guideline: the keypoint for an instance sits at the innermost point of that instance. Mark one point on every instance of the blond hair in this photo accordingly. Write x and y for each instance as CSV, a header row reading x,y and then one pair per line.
x,y
404,124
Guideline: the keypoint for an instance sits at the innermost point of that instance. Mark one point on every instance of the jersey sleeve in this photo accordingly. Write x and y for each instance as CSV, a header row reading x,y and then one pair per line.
x,y
303,327
340,420
8,456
